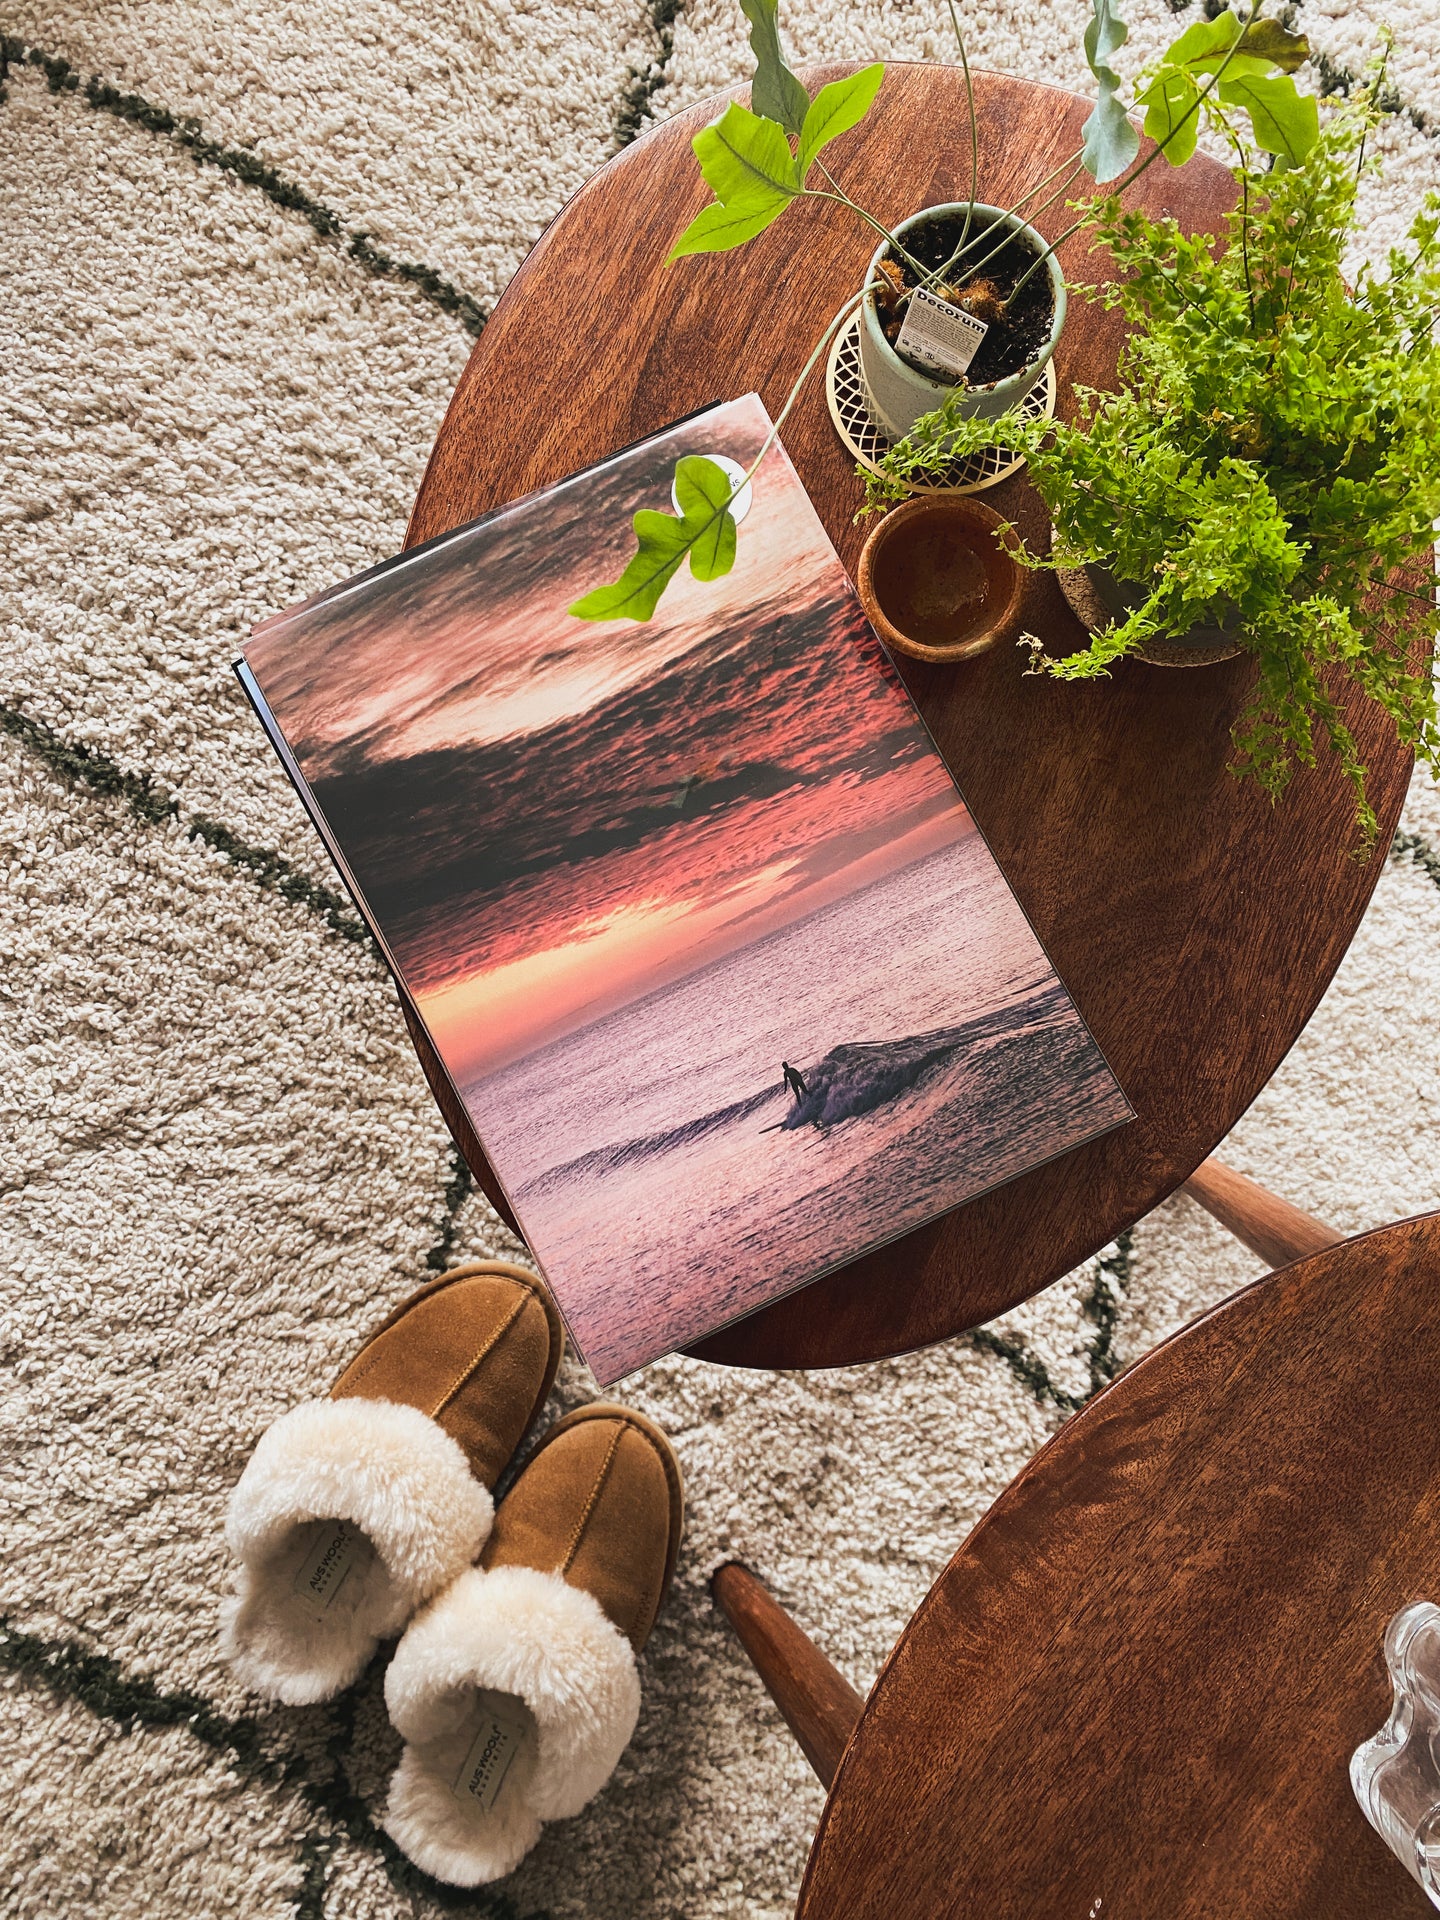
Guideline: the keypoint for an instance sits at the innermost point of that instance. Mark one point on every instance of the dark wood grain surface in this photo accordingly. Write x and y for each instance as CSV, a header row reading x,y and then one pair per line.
x,y
1135,1690
1195,927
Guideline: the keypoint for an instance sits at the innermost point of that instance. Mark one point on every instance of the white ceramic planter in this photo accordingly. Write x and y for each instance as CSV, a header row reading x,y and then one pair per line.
x,y
899,394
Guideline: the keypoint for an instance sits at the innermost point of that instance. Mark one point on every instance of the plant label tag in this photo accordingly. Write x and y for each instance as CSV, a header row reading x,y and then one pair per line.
x,y
336,1547
489,1759
941,336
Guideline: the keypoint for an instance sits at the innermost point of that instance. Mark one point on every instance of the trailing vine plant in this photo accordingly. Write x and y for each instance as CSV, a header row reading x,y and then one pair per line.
x,y
1271,461
763,160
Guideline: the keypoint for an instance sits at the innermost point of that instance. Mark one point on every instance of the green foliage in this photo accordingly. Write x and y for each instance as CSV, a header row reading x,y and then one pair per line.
x,y
1219,64
775,91
1271,460
1110,142
1215,71
746,156
748,166
757,161
1284,122
704,493
835,109
1283,49
704,529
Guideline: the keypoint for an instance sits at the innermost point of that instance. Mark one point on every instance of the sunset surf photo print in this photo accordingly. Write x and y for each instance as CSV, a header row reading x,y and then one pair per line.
x,y
690,907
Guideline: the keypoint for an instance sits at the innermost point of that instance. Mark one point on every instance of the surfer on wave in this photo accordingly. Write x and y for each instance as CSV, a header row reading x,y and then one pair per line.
x,y
794,1080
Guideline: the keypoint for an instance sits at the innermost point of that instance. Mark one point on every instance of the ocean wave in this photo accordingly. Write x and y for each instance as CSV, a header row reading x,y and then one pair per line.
x,y
626,1152
852,1080
857,1078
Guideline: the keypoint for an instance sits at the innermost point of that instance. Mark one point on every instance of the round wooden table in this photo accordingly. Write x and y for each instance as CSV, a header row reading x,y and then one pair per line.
x,y
1195,926
1135,1690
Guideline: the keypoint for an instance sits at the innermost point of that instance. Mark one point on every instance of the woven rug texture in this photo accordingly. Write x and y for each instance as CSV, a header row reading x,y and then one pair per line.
x,y
244,253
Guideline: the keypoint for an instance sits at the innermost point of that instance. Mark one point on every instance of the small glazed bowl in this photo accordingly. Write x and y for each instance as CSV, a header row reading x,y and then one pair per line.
x,y
936,581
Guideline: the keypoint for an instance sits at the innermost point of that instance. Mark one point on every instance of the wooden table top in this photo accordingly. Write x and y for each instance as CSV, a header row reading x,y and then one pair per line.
x,y
1195,926
1135,1690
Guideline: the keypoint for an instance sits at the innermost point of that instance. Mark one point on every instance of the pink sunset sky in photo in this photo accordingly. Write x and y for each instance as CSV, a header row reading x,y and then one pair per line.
x,y
654,794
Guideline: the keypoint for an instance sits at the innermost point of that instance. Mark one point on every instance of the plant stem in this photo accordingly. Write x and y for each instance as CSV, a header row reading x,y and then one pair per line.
x,y
974,127
1244,173
1053,247
832,325
1391,280
943,272
1374,93
1295,255
1044,207
843,199
836,321
1304,228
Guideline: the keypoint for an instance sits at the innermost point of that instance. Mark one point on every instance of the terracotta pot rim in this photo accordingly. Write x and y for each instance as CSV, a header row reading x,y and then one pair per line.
x,y
976,518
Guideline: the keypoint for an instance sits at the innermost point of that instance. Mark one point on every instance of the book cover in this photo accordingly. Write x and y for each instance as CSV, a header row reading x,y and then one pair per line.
x,y
691,909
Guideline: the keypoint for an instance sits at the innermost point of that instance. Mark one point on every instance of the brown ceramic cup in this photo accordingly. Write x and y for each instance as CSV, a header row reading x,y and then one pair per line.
x,y
938,580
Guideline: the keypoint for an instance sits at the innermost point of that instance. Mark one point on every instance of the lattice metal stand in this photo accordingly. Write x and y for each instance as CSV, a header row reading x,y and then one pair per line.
x,y
868,441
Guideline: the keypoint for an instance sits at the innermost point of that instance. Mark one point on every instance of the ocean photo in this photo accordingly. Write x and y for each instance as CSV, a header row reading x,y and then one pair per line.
x,y
692,910
919,1082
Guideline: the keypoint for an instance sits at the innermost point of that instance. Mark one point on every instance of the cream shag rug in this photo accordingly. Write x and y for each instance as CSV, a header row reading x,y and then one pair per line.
x,y
244,252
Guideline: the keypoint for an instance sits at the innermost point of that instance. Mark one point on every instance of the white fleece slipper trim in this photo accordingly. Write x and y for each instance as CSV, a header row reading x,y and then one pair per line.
x,y
522,1633
403,1482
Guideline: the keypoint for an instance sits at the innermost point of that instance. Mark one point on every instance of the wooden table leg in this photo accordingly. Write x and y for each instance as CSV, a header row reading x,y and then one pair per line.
x,y
819,1704
1262,1221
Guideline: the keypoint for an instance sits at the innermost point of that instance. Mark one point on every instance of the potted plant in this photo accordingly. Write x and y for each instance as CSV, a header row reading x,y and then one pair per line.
x,y
1269,468
977,272
1011,284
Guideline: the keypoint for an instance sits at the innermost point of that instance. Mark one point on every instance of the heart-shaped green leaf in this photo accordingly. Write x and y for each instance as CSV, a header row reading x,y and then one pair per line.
x,y
835,109
775,91
1286,122
748,165
1110,142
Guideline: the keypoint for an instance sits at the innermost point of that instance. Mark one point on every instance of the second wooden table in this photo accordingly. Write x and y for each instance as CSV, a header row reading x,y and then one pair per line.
x,y
1134,1692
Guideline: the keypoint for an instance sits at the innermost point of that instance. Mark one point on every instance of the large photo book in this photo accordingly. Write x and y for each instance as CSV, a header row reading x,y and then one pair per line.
x,y
691,909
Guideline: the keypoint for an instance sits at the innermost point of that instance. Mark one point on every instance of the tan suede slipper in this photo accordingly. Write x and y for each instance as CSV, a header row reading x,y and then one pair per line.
x,y
352,1511
516,1689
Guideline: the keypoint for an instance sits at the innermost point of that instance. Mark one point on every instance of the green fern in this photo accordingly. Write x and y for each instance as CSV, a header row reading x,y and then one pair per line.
x,y
1271,460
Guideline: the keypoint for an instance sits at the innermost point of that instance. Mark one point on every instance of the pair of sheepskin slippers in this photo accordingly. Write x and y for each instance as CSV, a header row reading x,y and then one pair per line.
x,y
364,1515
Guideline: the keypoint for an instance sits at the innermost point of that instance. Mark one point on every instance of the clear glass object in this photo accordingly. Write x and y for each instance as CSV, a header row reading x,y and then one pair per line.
x,y
1396,1775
